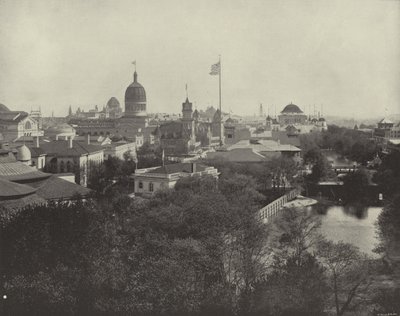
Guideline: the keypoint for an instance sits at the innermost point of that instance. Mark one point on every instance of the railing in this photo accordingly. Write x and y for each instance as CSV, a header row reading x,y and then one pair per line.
x,y
275,206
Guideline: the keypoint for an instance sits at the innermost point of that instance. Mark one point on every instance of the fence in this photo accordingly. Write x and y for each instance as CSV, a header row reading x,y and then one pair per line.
x,y
275,206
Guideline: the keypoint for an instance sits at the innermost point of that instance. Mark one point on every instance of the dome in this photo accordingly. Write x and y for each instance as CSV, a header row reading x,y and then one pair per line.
x,y
113,103
196,114
63,128
135,99
321,119
135,92
23,153
3,108
292,108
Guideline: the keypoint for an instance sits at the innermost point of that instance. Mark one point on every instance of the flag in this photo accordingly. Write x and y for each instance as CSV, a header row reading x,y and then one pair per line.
x,y
215,69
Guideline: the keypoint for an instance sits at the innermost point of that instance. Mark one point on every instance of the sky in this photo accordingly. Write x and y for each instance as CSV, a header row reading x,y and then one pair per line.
x,y
341,56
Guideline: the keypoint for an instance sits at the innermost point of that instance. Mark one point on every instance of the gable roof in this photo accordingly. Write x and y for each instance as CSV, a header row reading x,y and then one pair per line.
x,y
61,148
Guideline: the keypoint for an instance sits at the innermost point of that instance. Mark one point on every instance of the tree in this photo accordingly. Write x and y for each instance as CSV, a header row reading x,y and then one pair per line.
x,y
294,234
348,271
388,229
355,184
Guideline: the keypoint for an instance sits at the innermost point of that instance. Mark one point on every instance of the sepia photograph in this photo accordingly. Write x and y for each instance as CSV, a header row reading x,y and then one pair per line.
x,y
200,158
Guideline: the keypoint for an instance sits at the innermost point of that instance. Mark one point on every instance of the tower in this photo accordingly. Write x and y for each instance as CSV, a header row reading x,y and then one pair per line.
x,y
187,117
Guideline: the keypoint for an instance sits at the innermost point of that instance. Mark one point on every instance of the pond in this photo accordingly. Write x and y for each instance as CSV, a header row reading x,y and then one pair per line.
x,y
355,225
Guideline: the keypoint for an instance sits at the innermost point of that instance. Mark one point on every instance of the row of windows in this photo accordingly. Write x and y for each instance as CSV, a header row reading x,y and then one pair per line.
x,y
151,186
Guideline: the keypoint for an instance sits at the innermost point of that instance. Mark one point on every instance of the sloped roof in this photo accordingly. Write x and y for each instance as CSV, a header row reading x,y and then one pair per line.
x,y
9,189
178,167
61,148
55,188
385,121
238,155
17,171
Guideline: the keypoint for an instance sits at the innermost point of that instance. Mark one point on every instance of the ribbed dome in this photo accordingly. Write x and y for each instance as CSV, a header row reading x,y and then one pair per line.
x,y
291,108
135,92
3,108
23,153
113,103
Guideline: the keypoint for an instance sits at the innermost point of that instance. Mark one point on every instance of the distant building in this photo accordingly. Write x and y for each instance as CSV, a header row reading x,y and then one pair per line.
x,y
17,126
387,134
250,151
66,156
149,180
132,125
291,115
189,134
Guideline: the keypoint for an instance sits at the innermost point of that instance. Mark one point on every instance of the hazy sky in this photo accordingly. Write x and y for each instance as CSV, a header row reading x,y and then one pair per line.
x,y
342,54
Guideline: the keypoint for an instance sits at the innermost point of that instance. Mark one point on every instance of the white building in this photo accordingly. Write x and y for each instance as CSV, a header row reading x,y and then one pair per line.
x,y
149,180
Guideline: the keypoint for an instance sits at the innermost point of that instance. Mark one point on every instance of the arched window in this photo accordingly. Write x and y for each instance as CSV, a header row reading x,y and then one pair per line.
x,y
151,187
62,166
69,166
140,185
28,125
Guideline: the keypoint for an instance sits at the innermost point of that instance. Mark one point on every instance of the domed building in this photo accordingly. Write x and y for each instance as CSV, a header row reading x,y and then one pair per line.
x,y
113,108
292,115
135,100
61,131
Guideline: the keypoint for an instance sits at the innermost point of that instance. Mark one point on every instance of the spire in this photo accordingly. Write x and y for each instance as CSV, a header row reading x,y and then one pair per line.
x,y
187,97
135,73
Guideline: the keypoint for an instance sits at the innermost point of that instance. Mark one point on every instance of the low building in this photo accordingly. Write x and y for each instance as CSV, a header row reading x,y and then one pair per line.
x,y
149,180
22,185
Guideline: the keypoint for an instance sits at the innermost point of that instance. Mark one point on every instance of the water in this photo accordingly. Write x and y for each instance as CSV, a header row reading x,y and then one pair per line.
x,y
355,225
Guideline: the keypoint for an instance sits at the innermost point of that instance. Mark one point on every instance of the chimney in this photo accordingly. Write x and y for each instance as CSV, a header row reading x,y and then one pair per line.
x,y
194,169
70,142
37,145
87,138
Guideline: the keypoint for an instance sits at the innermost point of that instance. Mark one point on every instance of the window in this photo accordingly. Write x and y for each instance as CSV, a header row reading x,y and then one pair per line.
x,y
69,167
61,166
151,187
28,125
140,185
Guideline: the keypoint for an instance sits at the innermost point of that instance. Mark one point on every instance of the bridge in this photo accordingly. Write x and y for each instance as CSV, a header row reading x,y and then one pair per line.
x,y
272,209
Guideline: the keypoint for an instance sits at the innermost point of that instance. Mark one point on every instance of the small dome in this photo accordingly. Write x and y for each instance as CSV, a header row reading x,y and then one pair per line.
x,y
196,114
63,128
321,119
291,108
23,153
3,108
113,103
269,118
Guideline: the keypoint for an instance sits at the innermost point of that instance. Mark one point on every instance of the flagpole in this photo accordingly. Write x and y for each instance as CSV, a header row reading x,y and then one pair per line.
x,y
220,108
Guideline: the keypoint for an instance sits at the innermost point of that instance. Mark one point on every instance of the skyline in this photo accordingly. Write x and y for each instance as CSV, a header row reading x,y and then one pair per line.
x,y
344,55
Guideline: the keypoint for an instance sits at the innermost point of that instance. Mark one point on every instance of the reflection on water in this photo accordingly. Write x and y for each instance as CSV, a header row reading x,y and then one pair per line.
x,y
352,224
